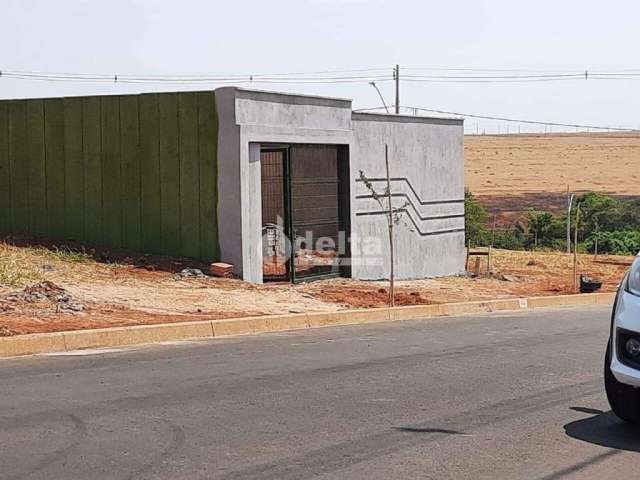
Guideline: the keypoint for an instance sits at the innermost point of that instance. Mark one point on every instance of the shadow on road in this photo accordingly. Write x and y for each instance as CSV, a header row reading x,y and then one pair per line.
x,y
604,429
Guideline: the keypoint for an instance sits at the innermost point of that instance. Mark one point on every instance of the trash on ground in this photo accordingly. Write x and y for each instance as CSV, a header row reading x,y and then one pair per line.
x,y
191,273
589,285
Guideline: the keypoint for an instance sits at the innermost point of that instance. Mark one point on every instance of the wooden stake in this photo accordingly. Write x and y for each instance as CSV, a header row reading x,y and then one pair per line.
x,y
569,203
466,261
489,261
575,251
392,297
493,231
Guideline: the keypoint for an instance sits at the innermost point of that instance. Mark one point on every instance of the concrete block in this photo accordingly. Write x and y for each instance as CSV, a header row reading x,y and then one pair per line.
x,y
605,298
114,337
415,312
322,319
370,315
279,323
31,344
480,307
561,300
240,326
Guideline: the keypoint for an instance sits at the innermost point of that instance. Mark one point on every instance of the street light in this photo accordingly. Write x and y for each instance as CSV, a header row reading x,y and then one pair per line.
x,y
373,84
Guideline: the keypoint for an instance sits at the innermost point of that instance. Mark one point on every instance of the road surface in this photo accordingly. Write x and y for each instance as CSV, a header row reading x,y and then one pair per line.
x,y
499,396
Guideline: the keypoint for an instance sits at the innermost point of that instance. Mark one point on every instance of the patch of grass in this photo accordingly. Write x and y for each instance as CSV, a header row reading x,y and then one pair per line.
x,y
64,254
16,268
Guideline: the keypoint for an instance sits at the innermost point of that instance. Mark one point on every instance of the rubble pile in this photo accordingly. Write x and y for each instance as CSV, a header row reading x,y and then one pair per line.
x,y
45,291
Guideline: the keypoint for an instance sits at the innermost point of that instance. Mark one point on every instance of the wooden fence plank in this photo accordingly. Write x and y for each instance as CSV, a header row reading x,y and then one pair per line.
x,y
150,168
19,166
37,168
131,195
55,165
189,167
5,170
169,173
74,168
91,153
208,176
111,172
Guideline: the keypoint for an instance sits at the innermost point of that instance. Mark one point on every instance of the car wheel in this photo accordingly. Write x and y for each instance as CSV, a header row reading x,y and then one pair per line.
x,y
623,399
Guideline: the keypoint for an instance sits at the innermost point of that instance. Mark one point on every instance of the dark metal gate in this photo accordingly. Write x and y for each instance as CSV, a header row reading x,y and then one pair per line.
x,y
275,215
305,211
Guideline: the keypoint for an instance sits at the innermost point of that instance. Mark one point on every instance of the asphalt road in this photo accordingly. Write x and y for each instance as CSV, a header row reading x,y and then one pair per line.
x,y
515,395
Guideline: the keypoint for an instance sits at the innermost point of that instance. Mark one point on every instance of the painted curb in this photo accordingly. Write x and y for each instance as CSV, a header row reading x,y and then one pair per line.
x,y
145,334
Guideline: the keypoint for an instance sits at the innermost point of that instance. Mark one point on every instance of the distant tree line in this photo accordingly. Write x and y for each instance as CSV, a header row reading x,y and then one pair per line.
x,y
607,223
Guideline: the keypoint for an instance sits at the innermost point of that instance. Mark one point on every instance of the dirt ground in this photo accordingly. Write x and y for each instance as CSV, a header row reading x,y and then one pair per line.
x,y
509,173
46,290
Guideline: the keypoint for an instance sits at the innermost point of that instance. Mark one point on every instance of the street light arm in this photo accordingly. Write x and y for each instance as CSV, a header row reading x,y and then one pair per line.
x,y
373,84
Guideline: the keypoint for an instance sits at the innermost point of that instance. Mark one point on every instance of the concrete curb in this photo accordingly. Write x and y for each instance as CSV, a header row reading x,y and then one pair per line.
x,y
145,334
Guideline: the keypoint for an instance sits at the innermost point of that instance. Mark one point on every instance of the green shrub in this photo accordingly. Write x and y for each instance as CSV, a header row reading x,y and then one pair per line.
x,y
619,242
614,223
475,221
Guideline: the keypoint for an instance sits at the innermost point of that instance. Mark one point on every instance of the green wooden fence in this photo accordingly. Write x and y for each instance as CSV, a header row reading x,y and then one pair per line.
x,y
132,171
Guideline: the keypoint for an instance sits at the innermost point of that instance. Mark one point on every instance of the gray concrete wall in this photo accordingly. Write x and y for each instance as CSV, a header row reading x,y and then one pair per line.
x,y
252,118
229,185
426,160
426,165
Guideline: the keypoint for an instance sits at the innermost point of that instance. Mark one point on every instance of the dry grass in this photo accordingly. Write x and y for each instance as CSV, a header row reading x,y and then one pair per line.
x,y
522,164
126,294
510,173
18,266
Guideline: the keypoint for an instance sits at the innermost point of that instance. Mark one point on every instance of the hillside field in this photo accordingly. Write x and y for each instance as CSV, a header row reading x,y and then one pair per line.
x,y
510,173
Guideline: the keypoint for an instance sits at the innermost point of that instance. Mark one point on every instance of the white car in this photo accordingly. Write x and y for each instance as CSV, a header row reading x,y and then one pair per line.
x,y
622,360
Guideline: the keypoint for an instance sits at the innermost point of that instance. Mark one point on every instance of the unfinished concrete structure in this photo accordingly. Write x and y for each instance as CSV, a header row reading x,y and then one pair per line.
x,y
426,163
279,185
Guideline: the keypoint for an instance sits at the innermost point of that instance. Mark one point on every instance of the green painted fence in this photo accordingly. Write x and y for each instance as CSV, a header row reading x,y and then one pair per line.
x,y
132,171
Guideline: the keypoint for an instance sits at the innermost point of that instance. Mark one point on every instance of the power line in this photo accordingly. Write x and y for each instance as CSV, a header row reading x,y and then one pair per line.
x,y
347,76
507,119
359,75
491,77
187,80
523,70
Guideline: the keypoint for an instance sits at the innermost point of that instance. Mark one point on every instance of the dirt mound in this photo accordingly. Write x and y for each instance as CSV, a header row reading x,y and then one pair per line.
x,y
45,291
42,290
37,292
370,296
7,332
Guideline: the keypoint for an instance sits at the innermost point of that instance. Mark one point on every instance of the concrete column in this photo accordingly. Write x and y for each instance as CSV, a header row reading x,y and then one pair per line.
x,y
251,176
229,184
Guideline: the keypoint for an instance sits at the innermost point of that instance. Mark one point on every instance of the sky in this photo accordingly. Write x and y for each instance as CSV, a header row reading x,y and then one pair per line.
x,y
187,37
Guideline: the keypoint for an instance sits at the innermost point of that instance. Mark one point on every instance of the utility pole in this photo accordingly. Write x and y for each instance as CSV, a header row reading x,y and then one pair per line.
x,y
396,77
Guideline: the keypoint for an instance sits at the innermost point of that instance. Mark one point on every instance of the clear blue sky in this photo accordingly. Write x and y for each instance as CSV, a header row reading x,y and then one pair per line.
x,y
220,37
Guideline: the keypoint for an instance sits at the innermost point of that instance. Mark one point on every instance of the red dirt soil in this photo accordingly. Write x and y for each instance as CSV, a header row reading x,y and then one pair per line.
x,y
110,295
